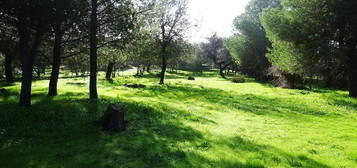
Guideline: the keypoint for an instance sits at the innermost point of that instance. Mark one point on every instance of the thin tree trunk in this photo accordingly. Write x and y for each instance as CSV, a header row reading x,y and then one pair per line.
x,y
52,91
353,69
109,72
163,70
8,68
93,52
164,63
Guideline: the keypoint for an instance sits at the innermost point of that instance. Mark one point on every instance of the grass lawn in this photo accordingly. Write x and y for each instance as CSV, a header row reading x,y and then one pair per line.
x,y
209,122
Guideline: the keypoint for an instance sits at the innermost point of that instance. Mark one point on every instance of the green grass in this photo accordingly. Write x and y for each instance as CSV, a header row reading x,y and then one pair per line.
x,y
209,122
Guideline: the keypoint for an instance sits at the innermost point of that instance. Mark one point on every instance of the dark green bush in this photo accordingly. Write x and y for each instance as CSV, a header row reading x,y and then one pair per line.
x,y
238,79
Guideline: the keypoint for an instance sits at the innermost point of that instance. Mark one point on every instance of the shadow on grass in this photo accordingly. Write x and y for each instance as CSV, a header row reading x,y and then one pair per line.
x,y
271,154
58,132
259,105
3,84
180,74
167,76
341,99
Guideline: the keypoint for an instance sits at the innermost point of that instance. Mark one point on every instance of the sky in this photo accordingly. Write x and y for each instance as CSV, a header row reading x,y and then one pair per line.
x,y
213,16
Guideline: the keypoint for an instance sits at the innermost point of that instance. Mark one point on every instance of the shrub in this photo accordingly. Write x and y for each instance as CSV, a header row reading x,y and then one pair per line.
x,y
238,79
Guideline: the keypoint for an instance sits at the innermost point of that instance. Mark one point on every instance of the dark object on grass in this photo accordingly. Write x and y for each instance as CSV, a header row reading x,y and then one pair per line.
x,y
191,78
158,74
238,79
134,85
113,119
304,92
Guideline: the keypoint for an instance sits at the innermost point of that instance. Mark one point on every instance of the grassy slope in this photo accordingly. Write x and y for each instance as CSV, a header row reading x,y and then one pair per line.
x,y
210,122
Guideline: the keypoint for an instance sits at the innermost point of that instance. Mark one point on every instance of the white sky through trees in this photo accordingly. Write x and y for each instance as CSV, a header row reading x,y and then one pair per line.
x,y
213,16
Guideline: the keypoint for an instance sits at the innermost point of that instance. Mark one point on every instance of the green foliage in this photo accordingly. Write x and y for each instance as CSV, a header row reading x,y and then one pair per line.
x,y
250,44
180,124
294,32
180,52
193,59
314,38
235,44
111,54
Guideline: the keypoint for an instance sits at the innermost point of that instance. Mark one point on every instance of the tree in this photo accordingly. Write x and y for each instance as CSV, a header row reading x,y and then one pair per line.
x,y
216,51
173,23
307,34
299,56
93,50
37,24
144,50
66,16
250,43
349,15
116,21
109,58
31,21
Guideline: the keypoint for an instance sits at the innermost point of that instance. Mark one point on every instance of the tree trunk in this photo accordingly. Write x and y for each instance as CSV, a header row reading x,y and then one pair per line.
x,y
148,68
113,119
163,70
353,69
114,73
52,91
292,81
137,70
26,60
8,68
142,70
221,71
109,72
93,52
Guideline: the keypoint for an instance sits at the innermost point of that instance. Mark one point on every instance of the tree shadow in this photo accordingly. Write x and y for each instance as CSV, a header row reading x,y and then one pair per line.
x,y
4,84
60,133
259,105
271,154
341,99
